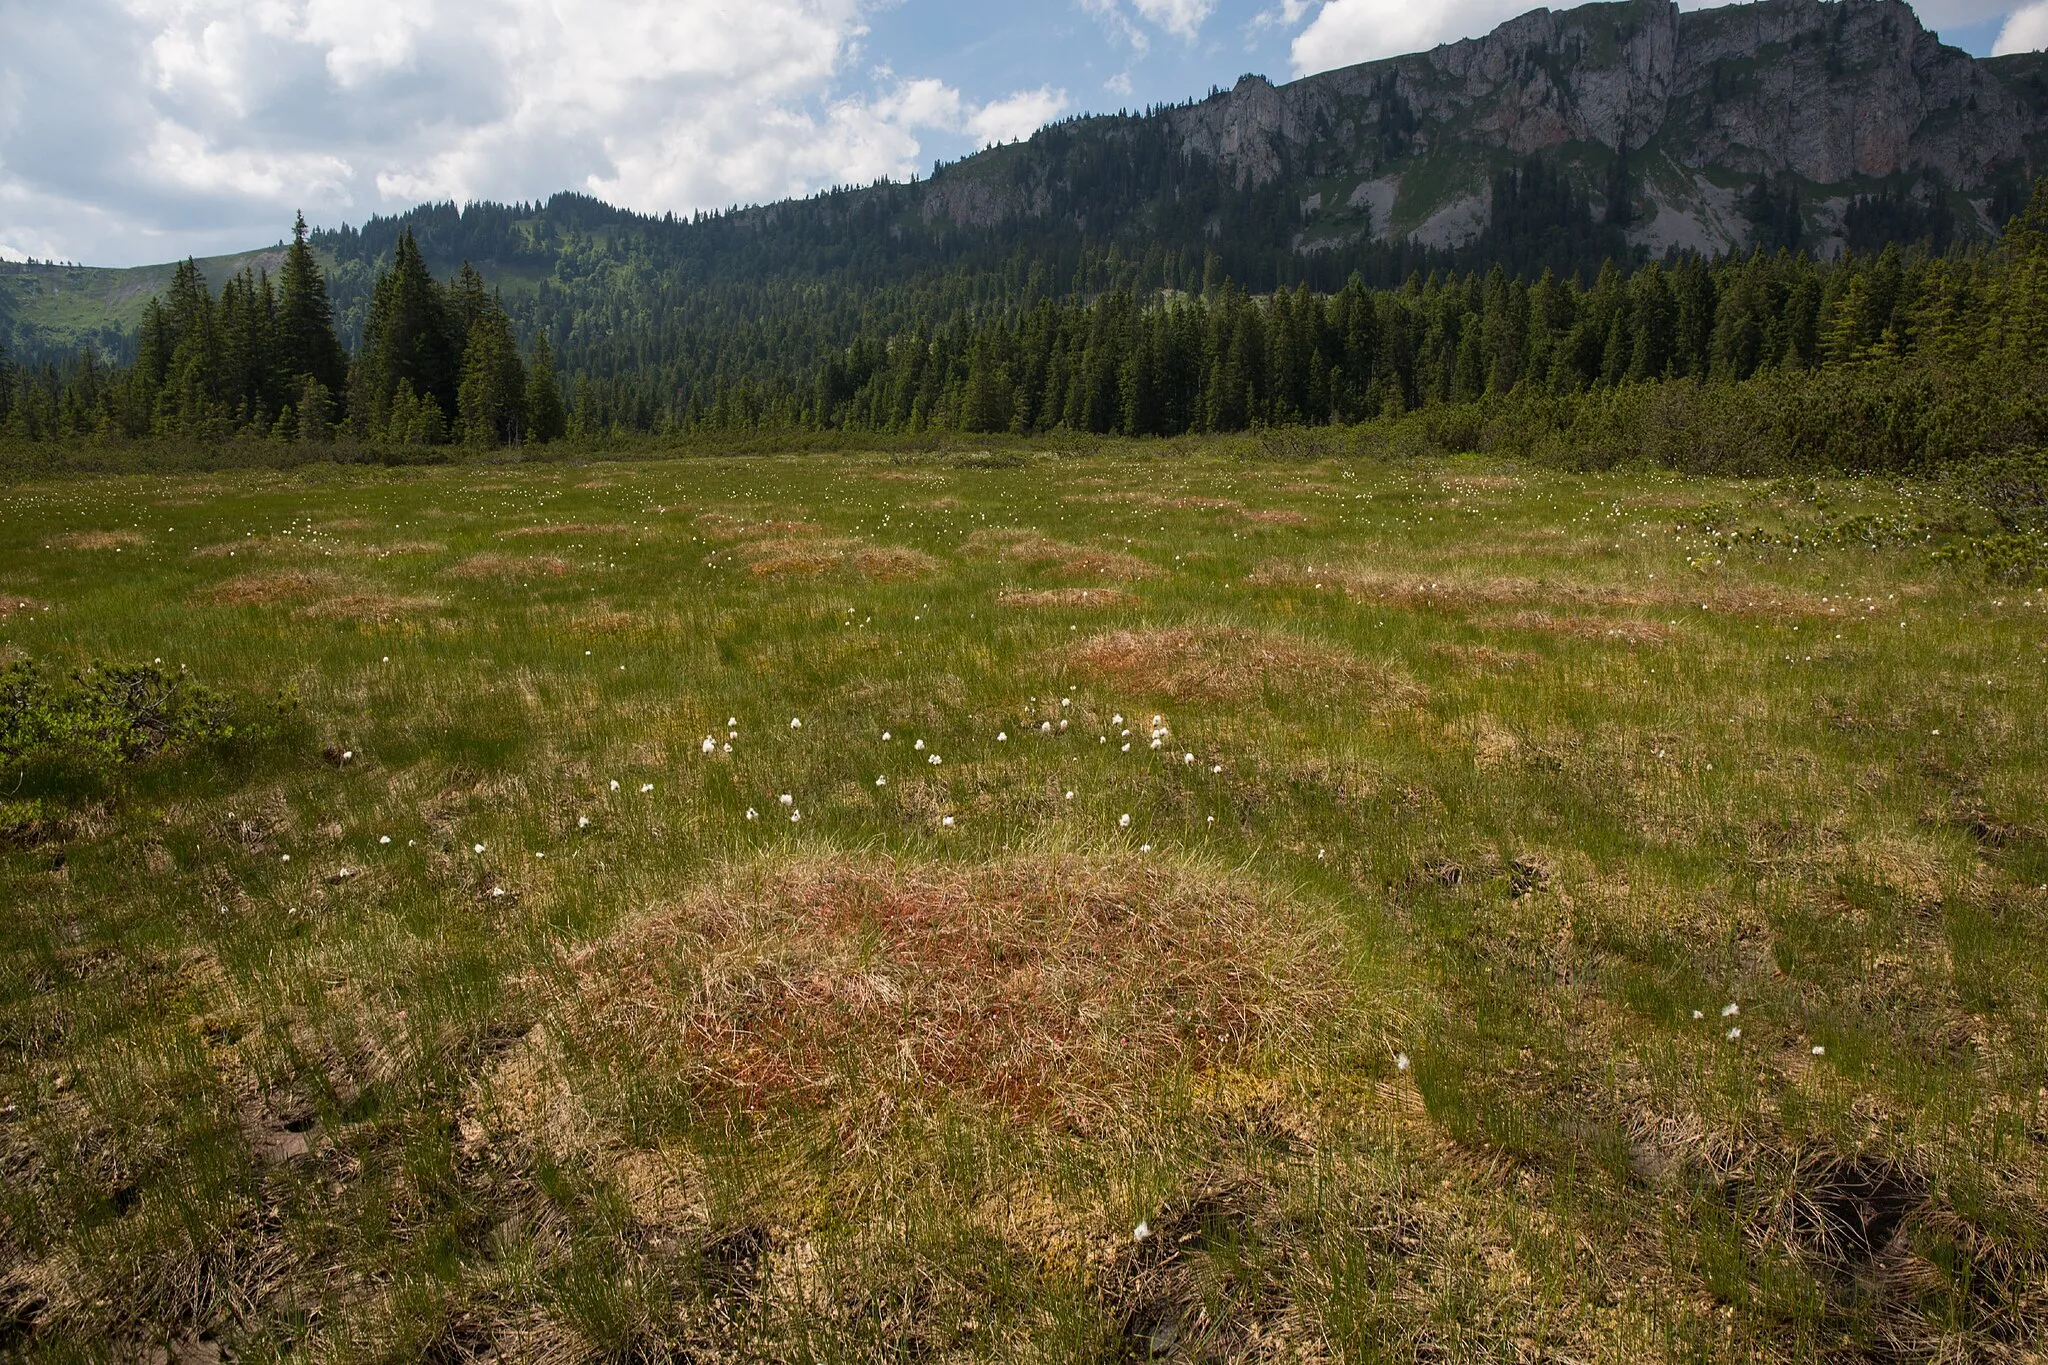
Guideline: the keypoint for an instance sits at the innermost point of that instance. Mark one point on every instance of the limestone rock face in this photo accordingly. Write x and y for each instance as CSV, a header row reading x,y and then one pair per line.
x,y
1696,105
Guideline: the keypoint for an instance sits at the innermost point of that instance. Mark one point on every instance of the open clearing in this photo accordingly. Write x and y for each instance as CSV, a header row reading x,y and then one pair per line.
x,y
842,909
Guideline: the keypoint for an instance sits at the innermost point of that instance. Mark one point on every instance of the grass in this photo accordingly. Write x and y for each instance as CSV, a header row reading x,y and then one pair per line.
x,y
1081,907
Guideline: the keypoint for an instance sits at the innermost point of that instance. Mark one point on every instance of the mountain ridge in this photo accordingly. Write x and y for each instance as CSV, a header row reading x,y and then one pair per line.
x,y
1560,139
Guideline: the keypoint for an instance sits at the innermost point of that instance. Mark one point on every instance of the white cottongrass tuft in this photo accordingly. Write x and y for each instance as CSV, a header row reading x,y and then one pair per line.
x,y
1401,1062
478,849
1123,822
1141,1232
919,746
786,799
753,814
583,822
385,840
646,787
947,821
1819,1051
710,745
885,736
935,760
1733,1034
1730,1011
615,784
881,782
796,817
796,723
1002,737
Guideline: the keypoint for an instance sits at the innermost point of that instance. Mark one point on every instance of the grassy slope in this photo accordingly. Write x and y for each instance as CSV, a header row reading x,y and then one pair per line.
x,y
66,303
1396,1018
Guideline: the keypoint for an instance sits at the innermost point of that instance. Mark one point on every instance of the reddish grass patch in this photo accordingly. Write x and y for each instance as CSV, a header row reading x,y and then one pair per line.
x,y
1047,987
813,558
1030,549
1232,663
270,589
365,606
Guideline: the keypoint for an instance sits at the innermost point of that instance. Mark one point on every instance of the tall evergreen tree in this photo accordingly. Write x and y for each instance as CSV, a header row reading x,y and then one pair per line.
x,y
306,341
546,419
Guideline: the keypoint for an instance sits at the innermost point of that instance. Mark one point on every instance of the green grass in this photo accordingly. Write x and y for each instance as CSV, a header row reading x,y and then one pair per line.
x,y
1395,1017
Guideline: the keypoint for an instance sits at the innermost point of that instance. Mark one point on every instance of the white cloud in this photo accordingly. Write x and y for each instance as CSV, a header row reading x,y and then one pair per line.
x,y
1345,32
1183,18
2026,30
129,124
1019,116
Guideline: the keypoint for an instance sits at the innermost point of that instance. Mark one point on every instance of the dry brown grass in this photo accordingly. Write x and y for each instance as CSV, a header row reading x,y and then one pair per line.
x,y
570,528
1049,986
813,558
366,606
1617,630
1065,597
99,540
1031,549
510,567
1232,663
1458,591
271,589
12,605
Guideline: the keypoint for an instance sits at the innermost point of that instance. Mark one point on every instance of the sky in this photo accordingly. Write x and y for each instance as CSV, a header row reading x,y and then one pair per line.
x,y
139,131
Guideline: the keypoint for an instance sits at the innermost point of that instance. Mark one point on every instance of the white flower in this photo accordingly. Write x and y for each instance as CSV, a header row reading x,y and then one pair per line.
x,y
710,745
1144,848
885,736
1733,1034
1730,1011
786,799
385,840
795,723
1819,1051
796,817
753,814
1401,1061
646,787
728,748
478,849
497,891
583,822
947,822
1217,769
1141,1232
1158,720
1066,701
348,755
1699,1014
1063,726
1188,759
732,723
615,784
881,782
1070,796
1002,737
1123,822
935,760
1127,746
919,746
1045,728
1116,720
287,857
1157,742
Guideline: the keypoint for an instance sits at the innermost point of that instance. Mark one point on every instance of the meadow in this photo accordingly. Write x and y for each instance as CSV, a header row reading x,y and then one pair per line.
x,y
1142,905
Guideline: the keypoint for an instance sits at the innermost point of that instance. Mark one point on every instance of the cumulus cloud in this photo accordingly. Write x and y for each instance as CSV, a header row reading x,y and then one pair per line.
x,y
1345,32
130,125
1133,25
2026,30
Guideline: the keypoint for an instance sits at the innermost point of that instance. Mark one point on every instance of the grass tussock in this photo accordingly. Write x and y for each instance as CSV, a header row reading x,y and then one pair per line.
x,y
1054,986
1461,590
1064,598
99,540
1235,663
16,604
807,559
274,589
1030,549
510,568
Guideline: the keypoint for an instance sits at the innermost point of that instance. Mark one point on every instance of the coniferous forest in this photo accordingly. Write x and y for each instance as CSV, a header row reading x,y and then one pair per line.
x,y
1896,358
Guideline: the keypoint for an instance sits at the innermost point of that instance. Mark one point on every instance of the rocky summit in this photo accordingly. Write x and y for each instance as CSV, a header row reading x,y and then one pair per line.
x,y
1670,119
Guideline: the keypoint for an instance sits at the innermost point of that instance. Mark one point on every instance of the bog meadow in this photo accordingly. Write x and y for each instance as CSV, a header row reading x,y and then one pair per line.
x,y
1470,821
1158,901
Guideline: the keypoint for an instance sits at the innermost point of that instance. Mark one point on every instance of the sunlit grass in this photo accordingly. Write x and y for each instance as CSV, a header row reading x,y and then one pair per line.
x,y
1356,910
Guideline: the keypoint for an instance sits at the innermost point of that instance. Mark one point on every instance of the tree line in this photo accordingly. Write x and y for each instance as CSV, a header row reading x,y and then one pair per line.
x,y
261,359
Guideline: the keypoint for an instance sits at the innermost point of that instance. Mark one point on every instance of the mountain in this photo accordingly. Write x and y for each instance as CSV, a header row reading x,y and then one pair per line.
x,y
1560,140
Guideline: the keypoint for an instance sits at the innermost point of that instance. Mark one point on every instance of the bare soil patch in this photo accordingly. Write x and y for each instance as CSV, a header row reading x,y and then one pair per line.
x,y
1232,663
1048,986
1031,549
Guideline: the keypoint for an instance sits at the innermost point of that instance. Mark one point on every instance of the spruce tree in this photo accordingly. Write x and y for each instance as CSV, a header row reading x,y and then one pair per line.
x,y
546,419
492,399
305,319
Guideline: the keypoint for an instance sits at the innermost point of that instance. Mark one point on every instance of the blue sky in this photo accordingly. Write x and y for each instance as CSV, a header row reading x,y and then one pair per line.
x,y
134,131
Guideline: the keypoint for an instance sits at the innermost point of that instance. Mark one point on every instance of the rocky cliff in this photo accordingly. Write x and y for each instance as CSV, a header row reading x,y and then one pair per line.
x,y
1682,113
